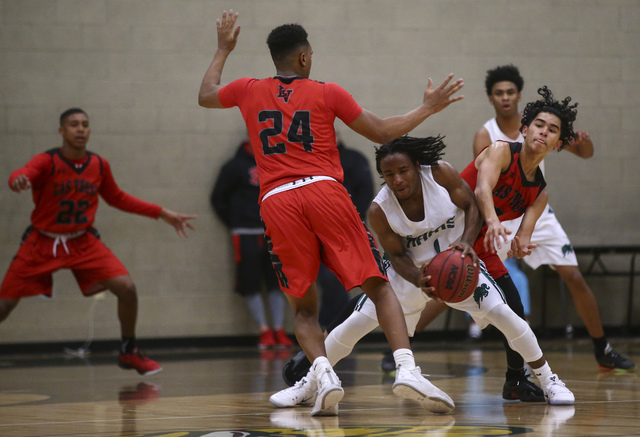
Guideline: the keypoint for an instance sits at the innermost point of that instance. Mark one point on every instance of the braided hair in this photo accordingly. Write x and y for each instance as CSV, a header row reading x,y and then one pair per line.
x,y
565,112
425,151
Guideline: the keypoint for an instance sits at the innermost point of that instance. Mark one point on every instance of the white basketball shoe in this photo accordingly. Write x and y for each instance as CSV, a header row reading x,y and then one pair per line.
x,y
410,384
329,393
303,392
556,393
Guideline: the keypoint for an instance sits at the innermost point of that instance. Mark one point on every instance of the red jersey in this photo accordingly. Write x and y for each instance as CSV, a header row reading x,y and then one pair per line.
x,y
513,193
291,126
66,193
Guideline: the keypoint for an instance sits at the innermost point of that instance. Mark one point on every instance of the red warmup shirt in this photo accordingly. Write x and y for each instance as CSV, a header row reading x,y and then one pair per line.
x,y
513,193
291,126
66,192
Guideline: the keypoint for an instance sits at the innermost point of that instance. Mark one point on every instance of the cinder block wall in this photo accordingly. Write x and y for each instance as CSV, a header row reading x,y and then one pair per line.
x,y
136,67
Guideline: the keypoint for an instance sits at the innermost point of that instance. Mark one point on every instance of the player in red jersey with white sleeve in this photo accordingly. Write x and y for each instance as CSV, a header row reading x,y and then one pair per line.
x,y
308,215
65,184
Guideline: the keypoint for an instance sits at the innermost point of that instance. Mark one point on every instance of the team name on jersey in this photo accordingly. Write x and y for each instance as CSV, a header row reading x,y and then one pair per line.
x,y
76,185
418,240
517,202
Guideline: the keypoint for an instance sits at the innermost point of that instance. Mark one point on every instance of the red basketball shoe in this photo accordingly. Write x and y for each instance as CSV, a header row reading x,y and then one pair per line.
x,y
282,339
140,362
266,340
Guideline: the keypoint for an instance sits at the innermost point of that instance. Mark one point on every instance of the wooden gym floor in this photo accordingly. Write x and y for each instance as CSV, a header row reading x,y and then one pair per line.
x,y
225,392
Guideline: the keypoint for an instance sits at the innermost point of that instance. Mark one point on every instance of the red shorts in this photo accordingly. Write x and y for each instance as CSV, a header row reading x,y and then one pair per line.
x,y
30,271
492,261
318,223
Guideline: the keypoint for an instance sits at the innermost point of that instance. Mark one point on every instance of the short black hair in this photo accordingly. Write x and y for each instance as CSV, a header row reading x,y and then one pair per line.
x,y
503,73
565,112
69,112
425,151
284,39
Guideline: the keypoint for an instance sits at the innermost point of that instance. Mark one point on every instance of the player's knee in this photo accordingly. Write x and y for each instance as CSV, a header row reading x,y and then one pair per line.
x,y
123,287
305,313
377,289
573,278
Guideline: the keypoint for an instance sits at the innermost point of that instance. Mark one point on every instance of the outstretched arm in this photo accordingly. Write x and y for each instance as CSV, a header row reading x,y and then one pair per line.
x,y
20,183
227,38
521,244
178,221
491,162
382,130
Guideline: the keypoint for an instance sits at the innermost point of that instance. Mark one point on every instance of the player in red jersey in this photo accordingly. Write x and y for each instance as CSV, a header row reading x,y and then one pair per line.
x,y
65,184
507,180
308,215
508,184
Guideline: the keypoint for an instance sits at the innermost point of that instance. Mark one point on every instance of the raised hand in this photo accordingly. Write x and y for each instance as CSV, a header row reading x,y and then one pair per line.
x,y
227,31
439,98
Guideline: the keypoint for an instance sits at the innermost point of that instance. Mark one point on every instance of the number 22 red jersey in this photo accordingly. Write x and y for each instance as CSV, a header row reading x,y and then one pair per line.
x,y
66,193
291,125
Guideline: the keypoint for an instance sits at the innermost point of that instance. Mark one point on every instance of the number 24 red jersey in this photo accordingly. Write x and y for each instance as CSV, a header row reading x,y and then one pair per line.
x,y
291,125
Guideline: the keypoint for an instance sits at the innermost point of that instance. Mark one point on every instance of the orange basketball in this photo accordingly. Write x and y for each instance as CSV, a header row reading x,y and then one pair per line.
x,y
453,277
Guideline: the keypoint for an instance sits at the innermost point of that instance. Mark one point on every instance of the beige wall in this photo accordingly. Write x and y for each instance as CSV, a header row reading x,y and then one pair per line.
x,y
136,66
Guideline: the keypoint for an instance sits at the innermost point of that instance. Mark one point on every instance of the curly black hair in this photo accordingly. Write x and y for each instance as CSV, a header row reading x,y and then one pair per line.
x,y
565,112
503,73
285,39
425,151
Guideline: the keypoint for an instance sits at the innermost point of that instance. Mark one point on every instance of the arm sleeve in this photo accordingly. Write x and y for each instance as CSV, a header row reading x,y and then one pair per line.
x,y
341,102
114,196
233,93
37,169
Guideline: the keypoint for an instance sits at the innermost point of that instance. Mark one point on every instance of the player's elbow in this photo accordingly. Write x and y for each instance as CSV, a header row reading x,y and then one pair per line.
x,y
204,101
209,99
586,154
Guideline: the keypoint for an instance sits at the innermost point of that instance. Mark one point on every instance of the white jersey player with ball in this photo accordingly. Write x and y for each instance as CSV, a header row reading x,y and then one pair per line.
x,y
425,207
442,225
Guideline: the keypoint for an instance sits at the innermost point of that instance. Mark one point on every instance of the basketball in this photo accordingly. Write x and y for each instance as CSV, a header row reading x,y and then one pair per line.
x,y
453,277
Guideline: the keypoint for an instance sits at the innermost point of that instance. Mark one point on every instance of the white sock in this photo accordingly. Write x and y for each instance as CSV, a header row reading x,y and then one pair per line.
x,y
319,365
543,374
404,357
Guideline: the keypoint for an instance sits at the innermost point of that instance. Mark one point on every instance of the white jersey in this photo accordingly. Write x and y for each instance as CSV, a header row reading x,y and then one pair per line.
x,y
442,225
443,221
554,247
497,135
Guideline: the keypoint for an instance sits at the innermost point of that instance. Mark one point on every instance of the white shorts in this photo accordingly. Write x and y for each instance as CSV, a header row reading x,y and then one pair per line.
x,y
486,296
554,247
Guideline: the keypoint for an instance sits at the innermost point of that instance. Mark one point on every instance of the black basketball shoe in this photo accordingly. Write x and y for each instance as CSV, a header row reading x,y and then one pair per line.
x,y
518,387
296,369
615,361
